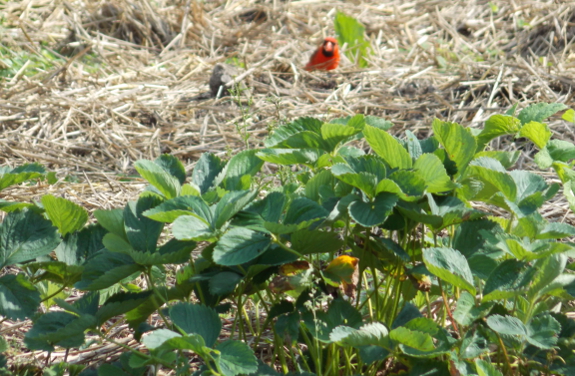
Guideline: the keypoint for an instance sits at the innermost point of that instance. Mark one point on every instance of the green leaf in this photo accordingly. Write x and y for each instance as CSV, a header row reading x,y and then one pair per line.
x,y
532,192
412,338
556,230
509,279
207,169
142,232
58,328
20,174
451,211
373,333
548,269
539,112
506,158
173,166
121,303
230,204
236,358
496,179
378,122
271,207
543,331
449,265
458,142
58,273
287,326
485,368
314,185
239,167
197,319
172,252
169,210
158,337
25,235
469,240
112,220
288,157
387,147
8,207
432,171
351,31
495,126
193,342
543,159
19,298
307,241
474,344
240,245
395,248
77,247
364,181
467,311
157,176
335,133
506,325
224,283
190,227
302,210
373,213
569,193
371,164
569,116
538,133
86,305
64,214
411,184
281,136
413,145
3,348
305,139
105,269
560,150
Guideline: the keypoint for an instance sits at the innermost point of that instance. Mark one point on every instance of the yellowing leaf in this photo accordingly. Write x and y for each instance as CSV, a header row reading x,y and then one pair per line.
x,y
343,266
293,268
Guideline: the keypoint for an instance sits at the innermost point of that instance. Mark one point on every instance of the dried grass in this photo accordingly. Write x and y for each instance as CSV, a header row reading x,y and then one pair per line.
x,y
133,74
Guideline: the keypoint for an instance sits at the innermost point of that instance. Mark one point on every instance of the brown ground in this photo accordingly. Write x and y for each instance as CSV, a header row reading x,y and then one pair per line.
x,y
131,78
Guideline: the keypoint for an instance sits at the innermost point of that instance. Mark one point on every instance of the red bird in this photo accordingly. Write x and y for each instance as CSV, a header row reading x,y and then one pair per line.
x,y
326,57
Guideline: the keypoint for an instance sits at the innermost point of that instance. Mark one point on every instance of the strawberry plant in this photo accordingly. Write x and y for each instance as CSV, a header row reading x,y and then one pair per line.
x,y
363,252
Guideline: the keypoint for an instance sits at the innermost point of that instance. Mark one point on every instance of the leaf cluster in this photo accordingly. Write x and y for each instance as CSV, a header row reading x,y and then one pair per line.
x,y
362,254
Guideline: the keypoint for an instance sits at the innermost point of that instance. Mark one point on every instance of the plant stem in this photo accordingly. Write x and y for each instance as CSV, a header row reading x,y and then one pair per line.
x,y
448,310
53,294
156,292
285,247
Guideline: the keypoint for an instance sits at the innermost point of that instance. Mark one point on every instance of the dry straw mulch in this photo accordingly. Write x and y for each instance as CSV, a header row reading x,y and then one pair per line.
x,y
131,78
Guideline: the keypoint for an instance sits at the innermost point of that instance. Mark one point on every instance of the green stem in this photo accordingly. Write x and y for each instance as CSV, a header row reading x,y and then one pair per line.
x,y
507,362
285,247
447,309
266,322
312,346
278,351
53,294
429,313
375,291
397,296
163,300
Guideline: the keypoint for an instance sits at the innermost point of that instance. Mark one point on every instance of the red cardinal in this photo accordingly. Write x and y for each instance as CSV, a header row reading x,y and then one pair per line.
x,y
326,57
